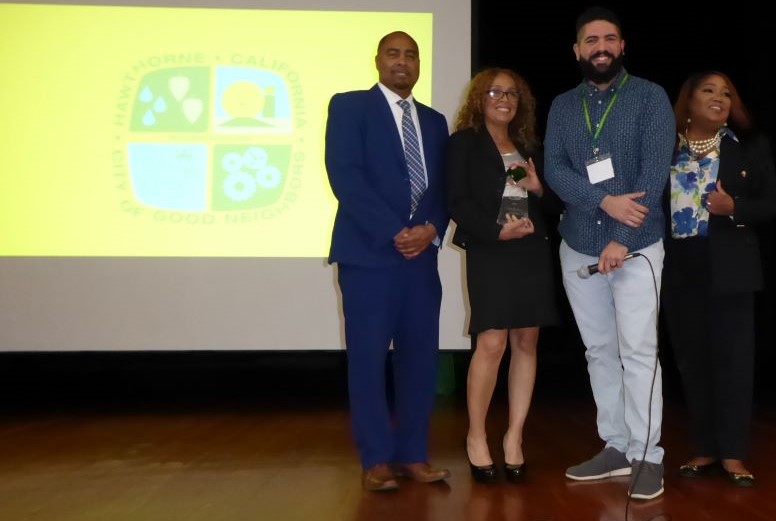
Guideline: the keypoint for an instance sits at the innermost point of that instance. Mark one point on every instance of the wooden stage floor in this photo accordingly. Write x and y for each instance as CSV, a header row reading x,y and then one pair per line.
x,y
216,445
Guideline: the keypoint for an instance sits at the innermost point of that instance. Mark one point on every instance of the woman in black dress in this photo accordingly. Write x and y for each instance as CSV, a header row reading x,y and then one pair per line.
x,y
494,199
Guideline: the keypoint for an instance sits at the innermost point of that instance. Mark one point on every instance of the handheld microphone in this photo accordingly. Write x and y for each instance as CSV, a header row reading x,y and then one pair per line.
x,y
585,271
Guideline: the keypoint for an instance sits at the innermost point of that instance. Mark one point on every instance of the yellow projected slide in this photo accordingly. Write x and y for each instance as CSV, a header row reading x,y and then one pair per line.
x,y
143,131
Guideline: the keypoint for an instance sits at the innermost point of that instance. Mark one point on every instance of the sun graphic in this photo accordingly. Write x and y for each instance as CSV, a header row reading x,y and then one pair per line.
x,y
244,102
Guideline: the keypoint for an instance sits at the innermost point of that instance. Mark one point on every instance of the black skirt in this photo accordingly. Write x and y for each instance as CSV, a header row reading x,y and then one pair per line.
x,y
511,284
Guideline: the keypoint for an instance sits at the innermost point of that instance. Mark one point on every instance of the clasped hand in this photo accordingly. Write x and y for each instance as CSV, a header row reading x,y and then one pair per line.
x,y
411,242
720,202
515,228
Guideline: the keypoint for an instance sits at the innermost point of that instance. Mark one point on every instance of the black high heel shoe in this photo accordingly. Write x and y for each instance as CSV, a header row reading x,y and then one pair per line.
x,y
481,474
484,474
514,473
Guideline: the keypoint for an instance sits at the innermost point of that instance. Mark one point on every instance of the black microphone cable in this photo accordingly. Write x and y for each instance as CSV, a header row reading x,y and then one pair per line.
x,y
585,272
635,478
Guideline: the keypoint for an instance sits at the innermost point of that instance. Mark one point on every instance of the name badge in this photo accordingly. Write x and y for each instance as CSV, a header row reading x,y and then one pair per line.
x,y
600,168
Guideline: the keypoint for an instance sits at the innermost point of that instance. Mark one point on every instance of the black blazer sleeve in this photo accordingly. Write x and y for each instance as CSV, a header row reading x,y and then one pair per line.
x,y
756,202
746,172
473,189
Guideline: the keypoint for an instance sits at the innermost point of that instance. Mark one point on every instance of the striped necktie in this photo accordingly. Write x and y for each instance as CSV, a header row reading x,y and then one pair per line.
x,y
412,156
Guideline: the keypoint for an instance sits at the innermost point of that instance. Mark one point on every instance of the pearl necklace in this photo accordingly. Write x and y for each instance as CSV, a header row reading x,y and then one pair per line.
x,y
701,147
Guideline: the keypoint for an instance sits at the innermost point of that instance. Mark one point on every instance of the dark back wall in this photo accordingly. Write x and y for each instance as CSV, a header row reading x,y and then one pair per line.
x,y
664,43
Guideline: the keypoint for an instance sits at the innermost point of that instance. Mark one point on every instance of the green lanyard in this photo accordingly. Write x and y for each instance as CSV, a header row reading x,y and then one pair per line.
x,y
603,118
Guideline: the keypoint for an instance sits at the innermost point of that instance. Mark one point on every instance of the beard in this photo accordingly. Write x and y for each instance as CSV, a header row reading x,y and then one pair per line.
x,y
405,82
604,73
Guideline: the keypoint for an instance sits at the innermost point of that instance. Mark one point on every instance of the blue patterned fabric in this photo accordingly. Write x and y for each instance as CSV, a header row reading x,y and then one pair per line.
x,y
638,133
412,155
692,179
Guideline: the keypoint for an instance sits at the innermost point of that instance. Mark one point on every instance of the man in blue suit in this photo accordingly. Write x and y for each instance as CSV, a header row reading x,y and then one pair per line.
x,y
384,156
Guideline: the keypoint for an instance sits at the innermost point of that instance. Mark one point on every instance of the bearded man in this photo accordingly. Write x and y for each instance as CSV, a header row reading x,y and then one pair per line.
x,y
607,155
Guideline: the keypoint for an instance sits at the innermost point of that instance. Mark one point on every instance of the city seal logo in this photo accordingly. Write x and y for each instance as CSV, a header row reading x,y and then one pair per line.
x,y
202,142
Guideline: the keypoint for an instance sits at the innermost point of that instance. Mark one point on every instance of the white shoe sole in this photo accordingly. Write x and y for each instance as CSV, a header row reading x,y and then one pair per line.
x,y
645,496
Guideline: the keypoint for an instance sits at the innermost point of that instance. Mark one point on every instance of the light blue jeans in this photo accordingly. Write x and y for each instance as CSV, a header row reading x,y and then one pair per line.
x,y
616,315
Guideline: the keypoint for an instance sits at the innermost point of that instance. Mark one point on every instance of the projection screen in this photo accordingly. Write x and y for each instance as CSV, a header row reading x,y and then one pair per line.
x,y
161,168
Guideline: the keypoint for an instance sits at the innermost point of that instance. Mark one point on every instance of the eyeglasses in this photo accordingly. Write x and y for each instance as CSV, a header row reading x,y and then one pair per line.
x,y
498,94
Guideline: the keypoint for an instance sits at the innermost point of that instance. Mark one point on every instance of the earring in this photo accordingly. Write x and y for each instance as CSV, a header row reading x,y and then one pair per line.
x,y
724,124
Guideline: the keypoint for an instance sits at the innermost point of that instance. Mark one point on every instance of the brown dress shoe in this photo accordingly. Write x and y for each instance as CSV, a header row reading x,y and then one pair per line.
x,y
421,472
379,477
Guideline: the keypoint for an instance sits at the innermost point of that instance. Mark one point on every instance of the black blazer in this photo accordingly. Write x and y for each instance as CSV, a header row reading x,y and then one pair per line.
x,y
475,185
747,173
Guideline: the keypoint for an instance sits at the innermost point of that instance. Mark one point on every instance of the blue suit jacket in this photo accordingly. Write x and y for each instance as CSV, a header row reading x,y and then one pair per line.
x,y
368,175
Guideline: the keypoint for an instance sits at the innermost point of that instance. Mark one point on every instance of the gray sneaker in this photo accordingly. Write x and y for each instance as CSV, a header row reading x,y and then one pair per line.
x,y
646,480
608,463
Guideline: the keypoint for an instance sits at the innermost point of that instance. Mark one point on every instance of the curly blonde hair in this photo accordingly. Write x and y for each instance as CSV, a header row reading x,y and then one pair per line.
x,y
522,128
